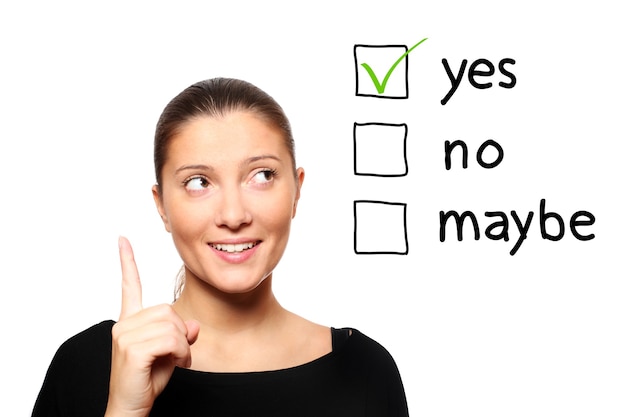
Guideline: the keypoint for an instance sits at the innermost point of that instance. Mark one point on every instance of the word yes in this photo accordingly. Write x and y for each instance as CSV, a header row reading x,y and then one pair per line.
x,y
479,68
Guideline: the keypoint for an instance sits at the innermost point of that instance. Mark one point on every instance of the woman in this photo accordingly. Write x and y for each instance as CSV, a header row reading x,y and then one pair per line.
x,y
227,190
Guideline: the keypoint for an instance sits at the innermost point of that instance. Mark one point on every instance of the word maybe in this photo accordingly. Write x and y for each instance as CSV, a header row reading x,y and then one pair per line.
x,y
499,229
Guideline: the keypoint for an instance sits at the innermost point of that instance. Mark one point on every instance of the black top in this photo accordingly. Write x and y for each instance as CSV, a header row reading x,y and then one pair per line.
x,y
358,378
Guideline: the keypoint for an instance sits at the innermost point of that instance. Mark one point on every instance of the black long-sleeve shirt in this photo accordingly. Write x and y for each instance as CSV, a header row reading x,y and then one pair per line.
x,y
358,378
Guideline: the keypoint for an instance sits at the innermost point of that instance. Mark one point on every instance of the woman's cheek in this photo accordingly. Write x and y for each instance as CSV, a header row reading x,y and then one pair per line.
x,y
188,220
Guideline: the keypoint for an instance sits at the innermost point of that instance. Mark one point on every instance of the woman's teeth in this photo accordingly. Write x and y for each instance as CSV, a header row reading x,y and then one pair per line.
x,y
227,247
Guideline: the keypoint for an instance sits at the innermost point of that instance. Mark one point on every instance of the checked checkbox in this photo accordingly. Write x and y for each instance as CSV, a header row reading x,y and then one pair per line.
x,y
382,70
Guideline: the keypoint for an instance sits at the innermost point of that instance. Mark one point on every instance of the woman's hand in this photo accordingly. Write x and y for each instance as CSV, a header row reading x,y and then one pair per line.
x,y
147,345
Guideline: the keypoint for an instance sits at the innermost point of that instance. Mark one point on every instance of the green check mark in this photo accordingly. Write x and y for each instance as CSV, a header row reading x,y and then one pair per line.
x,y
380,87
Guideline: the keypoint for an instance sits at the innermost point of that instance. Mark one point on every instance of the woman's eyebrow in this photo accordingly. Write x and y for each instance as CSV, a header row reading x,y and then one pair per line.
x,y
246,161
194,167
253,159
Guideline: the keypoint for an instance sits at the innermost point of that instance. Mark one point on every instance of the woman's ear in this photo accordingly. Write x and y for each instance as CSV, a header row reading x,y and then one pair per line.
x,y
299,181
158,200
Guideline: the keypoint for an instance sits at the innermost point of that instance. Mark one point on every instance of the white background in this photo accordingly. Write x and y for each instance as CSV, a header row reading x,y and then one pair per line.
x,y
475,331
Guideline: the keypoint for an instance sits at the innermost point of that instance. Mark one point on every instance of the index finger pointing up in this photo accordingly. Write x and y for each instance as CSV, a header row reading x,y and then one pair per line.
x,y
131,285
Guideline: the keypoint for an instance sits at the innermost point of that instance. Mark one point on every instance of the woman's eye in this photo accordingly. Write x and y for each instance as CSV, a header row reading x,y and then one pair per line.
x,y
197,183
264,176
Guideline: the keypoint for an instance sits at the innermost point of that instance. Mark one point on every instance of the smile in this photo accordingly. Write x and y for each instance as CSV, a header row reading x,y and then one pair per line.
x,y
233,248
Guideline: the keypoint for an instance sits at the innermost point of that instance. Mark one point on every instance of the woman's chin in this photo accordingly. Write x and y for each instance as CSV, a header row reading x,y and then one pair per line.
x,y
233,284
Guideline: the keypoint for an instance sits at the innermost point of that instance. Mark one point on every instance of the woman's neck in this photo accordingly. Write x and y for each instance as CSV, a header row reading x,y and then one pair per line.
x,y
248,332
226,313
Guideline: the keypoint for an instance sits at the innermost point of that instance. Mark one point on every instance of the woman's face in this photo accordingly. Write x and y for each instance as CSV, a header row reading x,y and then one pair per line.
x,y
227,196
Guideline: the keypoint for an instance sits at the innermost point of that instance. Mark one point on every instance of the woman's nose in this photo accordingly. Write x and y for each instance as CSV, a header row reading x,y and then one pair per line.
x,y
232,211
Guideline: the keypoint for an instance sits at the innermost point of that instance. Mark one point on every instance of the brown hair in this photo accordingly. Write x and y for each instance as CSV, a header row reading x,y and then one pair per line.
x,y
216,97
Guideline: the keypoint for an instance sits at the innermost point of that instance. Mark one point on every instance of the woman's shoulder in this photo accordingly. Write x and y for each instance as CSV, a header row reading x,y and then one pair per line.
x,y
357,339
94,336
366,361
91,347
78,376
361,349
98,330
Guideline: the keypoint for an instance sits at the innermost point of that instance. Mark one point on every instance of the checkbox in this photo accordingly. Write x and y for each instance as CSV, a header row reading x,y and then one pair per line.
x,y
380,228
380,149
380,60
382,70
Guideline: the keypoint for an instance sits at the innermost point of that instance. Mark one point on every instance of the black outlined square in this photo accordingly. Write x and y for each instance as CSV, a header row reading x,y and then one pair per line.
x,y
380,149
380,228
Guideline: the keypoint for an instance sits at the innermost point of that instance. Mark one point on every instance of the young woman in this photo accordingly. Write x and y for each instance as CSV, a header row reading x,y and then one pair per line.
x,y
227,190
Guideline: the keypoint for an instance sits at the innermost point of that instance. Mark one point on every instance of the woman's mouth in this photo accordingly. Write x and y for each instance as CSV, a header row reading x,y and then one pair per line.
x,y
233,247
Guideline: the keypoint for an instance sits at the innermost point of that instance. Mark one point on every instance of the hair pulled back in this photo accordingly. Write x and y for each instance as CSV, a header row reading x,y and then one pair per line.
x,y
216,97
